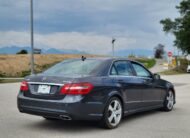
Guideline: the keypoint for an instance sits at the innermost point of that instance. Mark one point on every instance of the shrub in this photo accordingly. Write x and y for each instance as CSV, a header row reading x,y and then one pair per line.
x,y
23,51
183,65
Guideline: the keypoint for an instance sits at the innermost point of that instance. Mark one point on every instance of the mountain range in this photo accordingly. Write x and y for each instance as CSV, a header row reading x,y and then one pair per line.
x,y
15,49
122,53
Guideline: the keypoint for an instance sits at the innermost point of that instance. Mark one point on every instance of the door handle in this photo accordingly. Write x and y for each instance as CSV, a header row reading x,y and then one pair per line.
x,y
147,82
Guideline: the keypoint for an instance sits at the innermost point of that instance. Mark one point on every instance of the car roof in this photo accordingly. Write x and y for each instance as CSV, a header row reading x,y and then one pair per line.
x,y
106,58
111,59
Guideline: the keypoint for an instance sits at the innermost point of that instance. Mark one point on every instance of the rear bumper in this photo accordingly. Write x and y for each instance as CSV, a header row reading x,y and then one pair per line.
x,y
78,110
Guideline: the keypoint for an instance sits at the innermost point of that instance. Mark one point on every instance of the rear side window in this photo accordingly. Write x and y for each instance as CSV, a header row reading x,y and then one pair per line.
x,y
121,68
140,70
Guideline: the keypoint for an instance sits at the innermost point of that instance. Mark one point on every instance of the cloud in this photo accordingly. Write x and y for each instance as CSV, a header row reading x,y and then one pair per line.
x,y
82,15
89,42
87,25
9,38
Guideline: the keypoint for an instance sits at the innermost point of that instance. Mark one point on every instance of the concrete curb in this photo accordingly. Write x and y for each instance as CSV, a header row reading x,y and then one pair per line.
x,y
11,78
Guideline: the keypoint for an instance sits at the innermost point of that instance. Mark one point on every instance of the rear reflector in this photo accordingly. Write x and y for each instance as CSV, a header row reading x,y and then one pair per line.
x,y
76,88
24,86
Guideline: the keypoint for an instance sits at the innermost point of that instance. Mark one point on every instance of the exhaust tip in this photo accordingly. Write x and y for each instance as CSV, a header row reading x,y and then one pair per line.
x,y
65,117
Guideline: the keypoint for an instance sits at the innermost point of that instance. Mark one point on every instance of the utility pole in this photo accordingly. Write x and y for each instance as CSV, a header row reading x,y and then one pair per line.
x,y
32,37
113,41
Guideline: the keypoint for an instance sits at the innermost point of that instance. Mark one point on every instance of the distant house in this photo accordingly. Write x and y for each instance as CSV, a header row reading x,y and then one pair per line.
x,y
37,51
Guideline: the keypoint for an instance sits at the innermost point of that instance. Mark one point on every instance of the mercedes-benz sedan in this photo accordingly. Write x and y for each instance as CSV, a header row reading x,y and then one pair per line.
x,y
100,89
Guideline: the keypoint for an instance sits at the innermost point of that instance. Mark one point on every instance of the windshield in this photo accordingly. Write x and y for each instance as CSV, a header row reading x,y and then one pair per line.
x,y
74,66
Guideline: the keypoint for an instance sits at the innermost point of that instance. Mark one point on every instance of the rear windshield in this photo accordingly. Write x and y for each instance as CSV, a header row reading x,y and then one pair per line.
x,y
74,66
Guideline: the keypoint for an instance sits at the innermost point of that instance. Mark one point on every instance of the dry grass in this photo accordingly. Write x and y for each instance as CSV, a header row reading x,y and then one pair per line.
x,y
14,65
19,65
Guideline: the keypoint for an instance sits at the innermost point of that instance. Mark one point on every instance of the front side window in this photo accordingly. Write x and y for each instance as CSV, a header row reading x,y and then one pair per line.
x,y
121,68
140,70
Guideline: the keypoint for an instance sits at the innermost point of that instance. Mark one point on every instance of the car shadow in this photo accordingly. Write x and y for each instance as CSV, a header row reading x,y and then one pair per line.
x,y
66,126
140,115
84,126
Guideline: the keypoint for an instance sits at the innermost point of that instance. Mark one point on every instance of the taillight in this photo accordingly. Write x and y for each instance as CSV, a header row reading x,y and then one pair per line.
x,y
24,86
76,88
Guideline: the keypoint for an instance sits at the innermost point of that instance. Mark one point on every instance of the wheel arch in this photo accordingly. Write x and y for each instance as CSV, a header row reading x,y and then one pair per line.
x,y
117,94
173,90
112,94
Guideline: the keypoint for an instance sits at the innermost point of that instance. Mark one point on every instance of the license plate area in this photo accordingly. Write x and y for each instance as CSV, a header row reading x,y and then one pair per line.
x,y
44,89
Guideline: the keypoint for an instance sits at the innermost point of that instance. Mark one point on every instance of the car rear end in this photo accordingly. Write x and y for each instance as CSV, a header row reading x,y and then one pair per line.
x,y
67,98
63,101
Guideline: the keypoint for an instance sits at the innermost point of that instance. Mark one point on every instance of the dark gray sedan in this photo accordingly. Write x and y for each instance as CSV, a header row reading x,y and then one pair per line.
x,y
100,89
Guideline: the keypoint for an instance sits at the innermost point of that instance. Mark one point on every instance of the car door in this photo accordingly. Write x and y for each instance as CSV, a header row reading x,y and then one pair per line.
x,y
151,96
124,76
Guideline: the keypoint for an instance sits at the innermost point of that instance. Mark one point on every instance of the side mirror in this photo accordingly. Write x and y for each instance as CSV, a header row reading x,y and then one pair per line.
x,y
157,76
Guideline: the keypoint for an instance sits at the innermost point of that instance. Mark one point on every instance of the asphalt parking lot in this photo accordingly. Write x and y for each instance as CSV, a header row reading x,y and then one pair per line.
x,y
153,124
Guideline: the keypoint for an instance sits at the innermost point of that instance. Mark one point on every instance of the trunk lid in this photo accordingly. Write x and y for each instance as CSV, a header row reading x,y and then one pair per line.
x,y
46,87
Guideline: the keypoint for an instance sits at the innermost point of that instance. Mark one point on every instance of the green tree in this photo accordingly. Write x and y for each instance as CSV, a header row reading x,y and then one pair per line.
x,y
23,51
180,27
159,51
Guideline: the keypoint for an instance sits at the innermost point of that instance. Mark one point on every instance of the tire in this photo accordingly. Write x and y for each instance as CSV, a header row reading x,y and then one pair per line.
x,y
169,101
112,114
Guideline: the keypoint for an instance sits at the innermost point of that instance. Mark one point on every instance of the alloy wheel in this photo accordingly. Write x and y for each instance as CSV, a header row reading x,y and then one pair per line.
x,y
170,100
114,113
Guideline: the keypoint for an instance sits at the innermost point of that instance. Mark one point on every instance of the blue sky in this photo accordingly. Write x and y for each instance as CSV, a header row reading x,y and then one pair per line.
x,y
87,25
